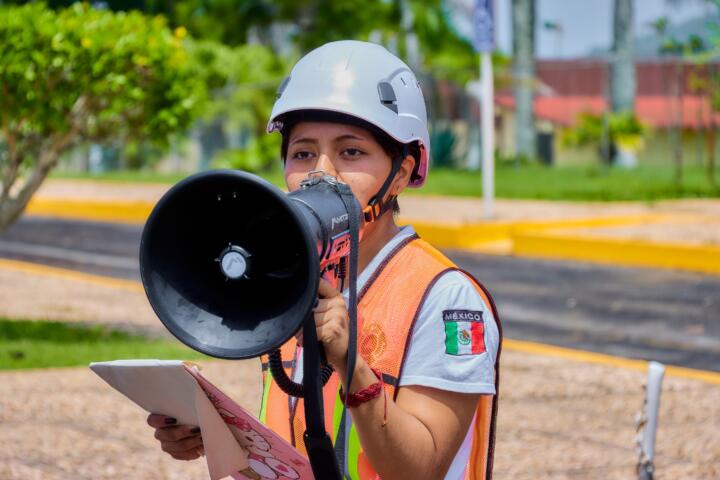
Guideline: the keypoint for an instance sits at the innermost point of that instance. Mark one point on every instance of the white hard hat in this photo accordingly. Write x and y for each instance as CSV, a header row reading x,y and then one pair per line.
x,y
365,81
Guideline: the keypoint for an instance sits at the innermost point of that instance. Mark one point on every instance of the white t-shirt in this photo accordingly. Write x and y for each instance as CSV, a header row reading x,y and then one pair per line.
x,y
447,349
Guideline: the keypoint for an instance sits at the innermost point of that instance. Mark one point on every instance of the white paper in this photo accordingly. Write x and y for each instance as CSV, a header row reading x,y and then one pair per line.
x,y
165,387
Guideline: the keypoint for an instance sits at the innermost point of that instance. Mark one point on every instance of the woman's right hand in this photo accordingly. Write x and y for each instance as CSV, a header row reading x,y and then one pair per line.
x,y
182,442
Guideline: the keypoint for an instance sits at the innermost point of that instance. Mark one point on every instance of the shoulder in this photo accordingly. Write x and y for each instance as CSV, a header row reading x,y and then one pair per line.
x,y
455,338
456,290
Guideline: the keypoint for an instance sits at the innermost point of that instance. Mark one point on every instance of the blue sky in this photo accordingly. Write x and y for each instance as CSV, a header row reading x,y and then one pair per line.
x,y
587,23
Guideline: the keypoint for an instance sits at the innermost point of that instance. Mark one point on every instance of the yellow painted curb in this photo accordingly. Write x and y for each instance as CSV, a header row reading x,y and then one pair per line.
x,y
461,236
705,259
92,210
470,236
37,269
603,359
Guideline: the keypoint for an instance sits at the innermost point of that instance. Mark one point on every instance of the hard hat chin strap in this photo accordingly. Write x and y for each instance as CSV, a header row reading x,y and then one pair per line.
x,y
376,207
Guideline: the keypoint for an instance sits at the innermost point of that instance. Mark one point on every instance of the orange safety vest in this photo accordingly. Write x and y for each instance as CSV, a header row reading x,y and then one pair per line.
x,y
388,306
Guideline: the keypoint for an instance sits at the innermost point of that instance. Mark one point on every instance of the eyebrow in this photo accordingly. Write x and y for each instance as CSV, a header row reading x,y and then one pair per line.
x,y
347,136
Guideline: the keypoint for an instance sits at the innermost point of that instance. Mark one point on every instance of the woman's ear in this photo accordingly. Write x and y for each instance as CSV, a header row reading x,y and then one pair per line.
x,y
402,178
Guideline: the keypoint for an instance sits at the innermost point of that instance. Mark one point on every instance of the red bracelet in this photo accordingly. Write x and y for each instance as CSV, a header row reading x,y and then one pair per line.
x,y
366,394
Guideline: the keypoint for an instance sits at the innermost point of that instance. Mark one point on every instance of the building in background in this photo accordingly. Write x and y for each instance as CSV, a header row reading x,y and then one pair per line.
x,y
664,100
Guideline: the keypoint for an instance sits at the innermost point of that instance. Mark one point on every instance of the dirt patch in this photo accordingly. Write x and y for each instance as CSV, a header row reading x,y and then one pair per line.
x,y
39,297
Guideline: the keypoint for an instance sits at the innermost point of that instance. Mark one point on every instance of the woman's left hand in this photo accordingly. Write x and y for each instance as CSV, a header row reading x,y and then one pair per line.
x,y
331,321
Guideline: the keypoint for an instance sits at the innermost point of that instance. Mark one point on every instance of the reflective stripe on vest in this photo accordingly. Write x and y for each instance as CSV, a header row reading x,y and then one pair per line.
x,y
408,273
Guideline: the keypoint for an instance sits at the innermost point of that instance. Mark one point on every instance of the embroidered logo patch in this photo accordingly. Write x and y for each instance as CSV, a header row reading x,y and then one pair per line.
x,y
464,332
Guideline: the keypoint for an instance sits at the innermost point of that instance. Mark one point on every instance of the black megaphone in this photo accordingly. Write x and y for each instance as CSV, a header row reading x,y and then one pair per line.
x,y
231,266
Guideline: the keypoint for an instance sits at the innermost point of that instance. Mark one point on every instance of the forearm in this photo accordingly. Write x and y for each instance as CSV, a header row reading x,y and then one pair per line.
x,y
404,447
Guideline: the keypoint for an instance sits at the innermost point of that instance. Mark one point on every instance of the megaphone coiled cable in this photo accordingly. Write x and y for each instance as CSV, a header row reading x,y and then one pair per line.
x,y
287,385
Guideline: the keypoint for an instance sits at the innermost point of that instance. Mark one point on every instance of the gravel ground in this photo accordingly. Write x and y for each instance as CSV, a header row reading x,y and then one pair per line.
x,y
577,423
66,423
41,297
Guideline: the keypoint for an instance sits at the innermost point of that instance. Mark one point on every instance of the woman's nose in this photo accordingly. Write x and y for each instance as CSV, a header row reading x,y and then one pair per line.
x,y
325,164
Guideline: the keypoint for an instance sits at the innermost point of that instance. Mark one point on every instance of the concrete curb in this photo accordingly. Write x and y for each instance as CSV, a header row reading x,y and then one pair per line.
x,y
521,238
698,258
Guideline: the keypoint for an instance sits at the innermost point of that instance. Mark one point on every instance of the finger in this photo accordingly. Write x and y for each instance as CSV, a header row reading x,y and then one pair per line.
x,y
187,456
175,434
326,304
322,318
157,420
330,333
187,445
325,290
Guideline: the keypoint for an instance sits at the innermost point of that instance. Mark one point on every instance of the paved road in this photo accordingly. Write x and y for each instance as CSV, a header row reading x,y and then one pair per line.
x,y
673,317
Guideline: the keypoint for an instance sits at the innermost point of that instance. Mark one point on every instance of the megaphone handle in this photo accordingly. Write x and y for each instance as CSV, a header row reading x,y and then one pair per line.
x,y
317,441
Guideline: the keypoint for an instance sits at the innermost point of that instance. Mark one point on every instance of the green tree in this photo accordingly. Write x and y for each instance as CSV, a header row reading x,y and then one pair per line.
x,y
707,83
84,75
242,83
694,49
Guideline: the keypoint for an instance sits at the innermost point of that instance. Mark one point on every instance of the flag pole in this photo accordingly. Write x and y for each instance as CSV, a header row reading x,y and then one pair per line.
x,y
488,133
484,45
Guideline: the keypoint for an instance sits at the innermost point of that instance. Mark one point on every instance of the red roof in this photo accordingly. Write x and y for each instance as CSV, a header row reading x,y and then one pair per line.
x,y
656,111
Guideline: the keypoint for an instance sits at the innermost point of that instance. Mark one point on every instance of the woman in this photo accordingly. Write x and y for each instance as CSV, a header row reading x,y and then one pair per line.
x,y
426,328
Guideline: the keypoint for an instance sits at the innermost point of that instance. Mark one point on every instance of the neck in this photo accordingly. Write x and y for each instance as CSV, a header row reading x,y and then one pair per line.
x,y
375,237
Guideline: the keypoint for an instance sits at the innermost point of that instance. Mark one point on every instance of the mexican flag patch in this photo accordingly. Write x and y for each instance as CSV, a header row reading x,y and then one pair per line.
x,y
464,332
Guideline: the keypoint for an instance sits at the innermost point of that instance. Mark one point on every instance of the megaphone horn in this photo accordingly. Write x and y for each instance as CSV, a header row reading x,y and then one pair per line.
x,y
231,264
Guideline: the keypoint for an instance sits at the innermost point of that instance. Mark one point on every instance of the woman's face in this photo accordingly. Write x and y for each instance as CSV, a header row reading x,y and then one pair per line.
x,y
346,152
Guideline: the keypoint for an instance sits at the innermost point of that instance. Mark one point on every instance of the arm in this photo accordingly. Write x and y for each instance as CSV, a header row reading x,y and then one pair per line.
x,y
425,427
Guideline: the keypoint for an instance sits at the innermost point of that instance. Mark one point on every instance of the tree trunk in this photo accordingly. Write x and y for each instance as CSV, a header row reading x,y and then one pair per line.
x,y
622,73
13,206
710,135
523,12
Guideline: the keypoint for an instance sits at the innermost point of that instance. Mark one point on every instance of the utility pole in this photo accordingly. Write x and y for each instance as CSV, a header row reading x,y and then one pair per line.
x,y
485,44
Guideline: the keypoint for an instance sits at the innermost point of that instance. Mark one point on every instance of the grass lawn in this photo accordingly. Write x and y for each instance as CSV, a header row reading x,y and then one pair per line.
x,y
41,344
575,183
526,182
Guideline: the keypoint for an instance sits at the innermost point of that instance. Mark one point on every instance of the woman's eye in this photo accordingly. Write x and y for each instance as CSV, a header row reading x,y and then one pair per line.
x,y
352,152
301,155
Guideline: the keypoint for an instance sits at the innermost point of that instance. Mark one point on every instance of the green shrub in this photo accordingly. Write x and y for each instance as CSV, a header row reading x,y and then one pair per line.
x,y
84,75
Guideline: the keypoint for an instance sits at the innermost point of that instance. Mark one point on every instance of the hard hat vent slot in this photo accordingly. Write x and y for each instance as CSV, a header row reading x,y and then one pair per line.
x,y
387,96
282,87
